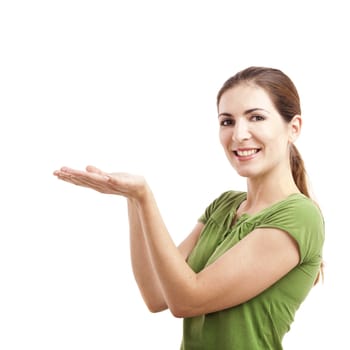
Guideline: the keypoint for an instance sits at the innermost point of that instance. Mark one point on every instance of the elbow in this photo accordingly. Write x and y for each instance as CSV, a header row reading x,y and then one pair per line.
x,y
179,313
186,305
156,307
184,311
176,311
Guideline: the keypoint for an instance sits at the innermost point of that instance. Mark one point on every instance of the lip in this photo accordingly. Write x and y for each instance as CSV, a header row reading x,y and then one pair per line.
x,y
246,153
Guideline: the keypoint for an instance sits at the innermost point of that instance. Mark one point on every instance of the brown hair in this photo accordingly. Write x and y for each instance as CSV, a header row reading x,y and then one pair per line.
x,y
285,98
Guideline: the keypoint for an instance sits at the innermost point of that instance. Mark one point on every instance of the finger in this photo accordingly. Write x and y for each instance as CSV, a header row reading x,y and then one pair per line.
x,y
94,180
62,170
67,171
81,178
77,173
79,181
99,185
91,172
66,178
93,169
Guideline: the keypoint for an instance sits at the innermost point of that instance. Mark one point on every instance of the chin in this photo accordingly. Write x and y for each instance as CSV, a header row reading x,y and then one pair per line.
x,y
248,173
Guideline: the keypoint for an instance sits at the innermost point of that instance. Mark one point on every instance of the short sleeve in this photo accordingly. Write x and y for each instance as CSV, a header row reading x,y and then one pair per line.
x,y
303,220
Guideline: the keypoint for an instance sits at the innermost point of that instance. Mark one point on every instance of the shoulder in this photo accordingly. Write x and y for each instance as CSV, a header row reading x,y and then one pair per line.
x,y
230,197
302,219
223,203
297,208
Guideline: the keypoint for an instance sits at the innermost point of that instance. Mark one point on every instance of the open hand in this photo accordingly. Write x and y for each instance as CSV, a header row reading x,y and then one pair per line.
x,y
124,184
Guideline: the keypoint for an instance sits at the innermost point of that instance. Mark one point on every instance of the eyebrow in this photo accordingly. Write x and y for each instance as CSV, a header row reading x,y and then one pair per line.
x,y
248,111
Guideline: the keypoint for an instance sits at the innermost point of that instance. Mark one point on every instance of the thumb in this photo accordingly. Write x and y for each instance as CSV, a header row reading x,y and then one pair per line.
x,y
93,169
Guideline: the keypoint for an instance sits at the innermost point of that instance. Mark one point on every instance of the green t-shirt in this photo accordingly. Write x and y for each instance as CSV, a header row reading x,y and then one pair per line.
x,y
261,322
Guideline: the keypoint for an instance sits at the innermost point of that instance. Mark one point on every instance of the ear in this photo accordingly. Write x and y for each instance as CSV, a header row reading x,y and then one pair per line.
x,y
294,128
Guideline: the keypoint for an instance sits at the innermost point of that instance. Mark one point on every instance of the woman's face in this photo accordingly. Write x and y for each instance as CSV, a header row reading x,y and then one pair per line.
x,y
252,132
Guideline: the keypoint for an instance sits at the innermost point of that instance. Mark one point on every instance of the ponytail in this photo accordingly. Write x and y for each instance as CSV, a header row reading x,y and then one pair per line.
x,y
298,171
300,179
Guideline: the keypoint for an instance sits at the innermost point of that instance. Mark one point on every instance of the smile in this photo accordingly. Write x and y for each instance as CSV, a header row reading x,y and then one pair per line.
x,y
246,152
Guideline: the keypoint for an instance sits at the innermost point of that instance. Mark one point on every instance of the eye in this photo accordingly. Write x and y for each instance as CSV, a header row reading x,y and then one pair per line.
x,y
227,122
257,118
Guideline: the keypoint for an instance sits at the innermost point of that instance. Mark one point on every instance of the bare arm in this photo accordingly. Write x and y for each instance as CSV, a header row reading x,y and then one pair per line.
x,y
143,269
142,263
260,259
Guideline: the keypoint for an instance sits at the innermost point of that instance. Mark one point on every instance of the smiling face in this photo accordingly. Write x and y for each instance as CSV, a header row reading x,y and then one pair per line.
x,y
253,134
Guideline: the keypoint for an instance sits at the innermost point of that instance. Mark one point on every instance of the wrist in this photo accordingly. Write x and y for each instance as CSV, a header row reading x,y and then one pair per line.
x,y
144,194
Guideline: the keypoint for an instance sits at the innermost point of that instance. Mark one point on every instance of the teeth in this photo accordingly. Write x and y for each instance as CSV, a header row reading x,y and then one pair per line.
x,y
246,153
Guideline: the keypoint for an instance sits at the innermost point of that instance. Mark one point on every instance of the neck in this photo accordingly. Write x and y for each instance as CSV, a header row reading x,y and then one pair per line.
x,y
263,191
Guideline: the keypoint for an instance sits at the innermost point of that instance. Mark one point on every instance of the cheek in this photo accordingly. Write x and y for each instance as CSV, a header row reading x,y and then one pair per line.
x,y
278,144
283,139
224,137
272,136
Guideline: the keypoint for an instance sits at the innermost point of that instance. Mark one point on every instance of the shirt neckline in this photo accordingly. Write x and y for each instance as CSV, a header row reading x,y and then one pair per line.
x,y
247,215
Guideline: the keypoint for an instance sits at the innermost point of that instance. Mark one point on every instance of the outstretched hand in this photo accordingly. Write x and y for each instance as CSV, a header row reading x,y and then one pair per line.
x,y
124,184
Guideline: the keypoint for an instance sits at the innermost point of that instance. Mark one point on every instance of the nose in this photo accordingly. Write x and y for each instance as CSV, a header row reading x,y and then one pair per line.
x,y
241,130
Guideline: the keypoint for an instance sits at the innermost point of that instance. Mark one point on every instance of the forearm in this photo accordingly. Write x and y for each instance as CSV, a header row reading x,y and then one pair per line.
x,y
160,268
143,269
177,279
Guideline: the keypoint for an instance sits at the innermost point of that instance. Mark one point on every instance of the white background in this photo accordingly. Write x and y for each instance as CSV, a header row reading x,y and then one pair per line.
x,y
131,86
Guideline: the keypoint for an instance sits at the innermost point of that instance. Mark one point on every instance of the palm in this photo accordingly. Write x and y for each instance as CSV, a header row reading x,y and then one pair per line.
x,y
127,185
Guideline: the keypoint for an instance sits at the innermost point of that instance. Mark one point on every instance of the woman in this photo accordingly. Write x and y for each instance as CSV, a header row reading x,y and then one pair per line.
x,y
250,261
